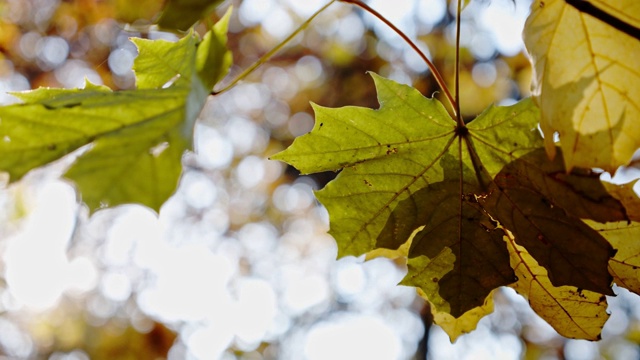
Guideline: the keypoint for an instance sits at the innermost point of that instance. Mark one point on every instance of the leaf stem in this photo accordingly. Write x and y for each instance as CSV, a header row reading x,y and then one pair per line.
x,y
415,48
484,179
264,58
457,68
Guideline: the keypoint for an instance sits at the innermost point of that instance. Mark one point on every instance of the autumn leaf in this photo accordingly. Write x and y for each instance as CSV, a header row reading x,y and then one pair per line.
x,y
404,166
137,137
542,206
572,312
586,80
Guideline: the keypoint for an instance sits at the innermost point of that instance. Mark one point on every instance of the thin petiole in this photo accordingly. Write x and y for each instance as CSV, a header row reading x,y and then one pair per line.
x,y
264,58
415,48
457,68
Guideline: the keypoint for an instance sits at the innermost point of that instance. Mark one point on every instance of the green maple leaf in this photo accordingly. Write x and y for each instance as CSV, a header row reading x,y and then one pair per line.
x,y
407,166
137,137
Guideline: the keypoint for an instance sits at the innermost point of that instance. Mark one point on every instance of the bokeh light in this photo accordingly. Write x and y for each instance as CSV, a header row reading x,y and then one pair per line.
x,y
238,263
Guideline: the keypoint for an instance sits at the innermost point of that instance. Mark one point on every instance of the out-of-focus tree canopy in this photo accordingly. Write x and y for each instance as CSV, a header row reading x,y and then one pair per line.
x,y
237,263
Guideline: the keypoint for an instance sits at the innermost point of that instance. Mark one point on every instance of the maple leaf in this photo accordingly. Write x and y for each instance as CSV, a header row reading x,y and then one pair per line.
x,y
137,136
407,166
586,80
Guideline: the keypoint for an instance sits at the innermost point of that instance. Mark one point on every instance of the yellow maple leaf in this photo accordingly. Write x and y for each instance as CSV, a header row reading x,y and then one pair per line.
x,y
573,313
587,79
625,265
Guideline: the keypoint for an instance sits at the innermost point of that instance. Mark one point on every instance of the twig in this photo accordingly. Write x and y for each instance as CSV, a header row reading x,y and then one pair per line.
x,y
431,66
264,58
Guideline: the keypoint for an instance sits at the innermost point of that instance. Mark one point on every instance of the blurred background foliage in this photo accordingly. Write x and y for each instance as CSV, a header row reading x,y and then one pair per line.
x,y
238,265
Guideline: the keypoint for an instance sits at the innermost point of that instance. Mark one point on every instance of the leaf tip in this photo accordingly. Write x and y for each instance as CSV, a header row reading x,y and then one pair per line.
x,y
279,156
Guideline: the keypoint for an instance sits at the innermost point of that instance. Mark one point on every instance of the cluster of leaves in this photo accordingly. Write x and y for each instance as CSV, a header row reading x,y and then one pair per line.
x,y
480,205
136,138
473,207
